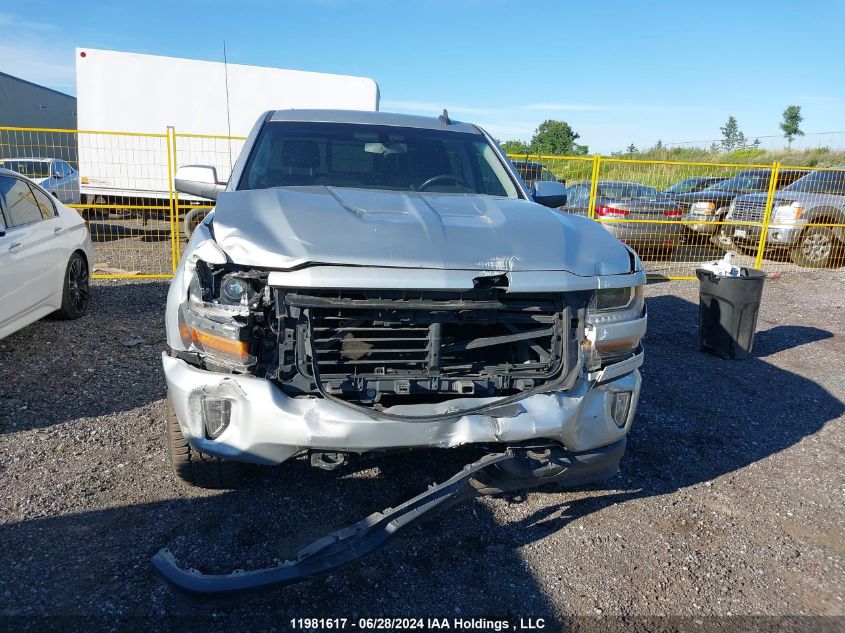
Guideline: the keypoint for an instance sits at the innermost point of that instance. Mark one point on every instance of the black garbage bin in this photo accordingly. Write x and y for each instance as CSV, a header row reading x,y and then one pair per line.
x,y
728,308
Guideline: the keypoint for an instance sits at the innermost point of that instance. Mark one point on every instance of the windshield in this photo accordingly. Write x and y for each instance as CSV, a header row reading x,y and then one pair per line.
x,y
293,154
28,168
691,185
685,186
626,191
746,181
820,182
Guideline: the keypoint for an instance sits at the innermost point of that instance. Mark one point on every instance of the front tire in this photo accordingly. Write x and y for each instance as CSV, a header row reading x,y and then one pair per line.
x,y
194,467
76,291
815,248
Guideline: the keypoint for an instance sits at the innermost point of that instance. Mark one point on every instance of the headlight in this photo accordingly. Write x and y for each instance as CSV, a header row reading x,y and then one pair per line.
x,y
609,338
236,290
217,329
611,305
705,208
788,212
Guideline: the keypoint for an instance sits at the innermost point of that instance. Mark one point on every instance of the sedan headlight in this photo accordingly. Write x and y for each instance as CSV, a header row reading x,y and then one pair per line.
x,y
704,208
615,325
788,212
217,328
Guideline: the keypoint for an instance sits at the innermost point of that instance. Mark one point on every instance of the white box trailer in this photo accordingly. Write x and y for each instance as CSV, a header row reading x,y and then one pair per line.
x,y
134,94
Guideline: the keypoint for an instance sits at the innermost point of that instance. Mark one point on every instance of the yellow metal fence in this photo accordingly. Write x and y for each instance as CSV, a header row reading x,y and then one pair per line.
x,y
124,188
775,217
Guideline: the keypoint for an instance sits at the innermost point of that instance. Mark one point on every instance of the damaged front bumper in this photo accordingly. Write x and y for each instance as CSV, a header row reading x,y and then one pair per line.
x,y
266,426
515,469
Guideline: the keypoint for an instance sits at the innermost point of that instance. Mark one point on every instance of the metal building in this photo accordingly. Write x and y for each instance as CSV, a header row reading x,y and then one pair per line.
x,y
24,104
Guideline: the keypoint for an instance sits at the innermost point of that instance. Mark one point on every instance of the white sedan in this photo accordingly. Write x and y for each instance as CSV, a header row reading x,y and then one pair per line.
x,y
45,256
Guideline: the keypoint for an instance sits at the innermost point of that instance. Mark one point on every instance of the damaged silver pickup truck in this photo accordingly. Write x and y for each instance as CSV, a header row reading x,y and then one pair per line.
x,y
371,281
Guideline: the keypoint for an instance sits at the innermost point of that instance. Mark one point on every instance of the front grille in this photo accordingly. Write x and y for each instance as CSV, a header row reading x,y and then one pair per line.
x,y
370,343
349,343
748,211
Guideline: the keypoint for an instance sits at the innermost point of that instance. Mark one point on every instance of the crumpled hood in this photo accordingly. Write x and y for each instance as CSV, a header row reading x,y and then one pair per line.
x,y
287,227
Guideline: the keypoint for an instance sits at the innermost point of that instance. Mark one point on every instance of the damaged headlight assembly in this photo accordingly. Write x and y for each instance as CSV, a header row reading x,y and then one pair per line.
x,y
607,339
214,321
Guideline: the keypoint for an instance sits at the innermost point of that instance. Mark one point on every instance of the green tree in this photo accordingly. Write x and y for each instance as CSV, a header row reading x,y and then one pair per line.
x,y
554,137
632,149
791,124
732,137
658,146
515,147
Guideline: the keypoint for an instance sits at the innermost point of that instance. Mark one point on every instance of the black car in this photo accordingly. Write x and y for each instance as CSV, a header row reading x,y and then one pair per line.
x,y
616,202
691,185
531,171
712,204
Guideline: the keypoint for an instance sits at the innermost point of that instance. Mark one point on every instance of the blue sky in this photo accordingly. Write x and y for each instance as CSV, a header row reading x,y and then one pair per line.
x,y
618,72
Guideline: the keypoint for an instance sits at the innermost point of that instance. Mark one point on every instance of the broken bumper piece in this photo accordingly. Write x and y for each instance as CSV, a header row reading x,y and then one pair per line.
x,y
515,469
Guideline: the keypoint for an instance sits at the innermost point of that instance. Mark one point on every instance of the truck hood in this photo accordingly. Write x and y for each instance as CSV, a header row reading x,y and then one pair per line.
x,y
284,228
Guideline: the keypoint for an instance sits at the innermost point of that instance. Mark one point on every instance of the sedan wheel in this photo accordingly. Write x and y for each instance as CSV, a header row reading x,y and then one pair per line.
x,y
815,249
76,292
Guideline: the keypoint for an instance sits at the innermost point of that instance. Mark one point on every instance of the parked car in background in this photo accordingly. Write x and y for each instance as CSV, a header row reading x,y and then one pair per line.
x,y
629,201
54,175
691,185
712,204
531,172
45,254
800,212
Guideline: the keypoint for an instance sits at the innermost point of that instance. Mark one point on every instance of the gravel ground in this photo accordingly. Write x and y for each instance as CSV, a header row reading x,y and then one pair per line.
x,y
730,500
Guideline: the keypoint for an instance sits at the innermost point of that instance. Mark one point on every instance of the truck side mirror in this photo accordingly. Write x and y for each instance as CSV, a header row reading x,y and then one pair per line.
x,y
198,180
549,193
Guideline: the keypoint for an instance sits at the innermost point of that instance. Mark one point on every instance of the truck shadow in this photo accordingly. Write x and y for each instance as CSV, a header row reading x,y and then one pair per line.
x,y
699,418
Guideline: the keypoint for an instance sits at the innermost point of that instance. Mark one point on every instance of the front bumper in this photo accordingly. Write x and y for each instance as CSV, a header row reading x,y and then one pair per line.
x,y
268,427
777,235
700,223
644,233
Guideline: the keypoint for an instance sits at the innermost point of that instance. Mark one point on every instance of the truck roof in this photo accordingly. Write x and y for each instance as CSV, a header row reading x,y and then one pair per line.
x,y
371,118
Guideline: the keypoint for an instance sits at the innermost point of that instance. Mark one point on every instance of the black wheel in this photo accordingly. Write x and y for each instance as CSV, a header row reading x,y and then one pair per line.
x,y
194,467
815,248
192,219
76,290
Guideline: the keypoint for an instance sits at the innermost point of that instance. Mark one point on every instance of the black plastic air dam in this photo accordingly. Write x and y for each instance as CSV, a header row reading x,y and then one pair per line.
x,y
516,469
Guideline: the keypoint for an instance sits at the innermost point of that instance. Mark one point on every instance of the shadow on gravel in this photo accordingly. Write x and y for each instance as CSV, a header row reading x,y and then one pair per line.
x,y
783,337
699,418
98,563
58,371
